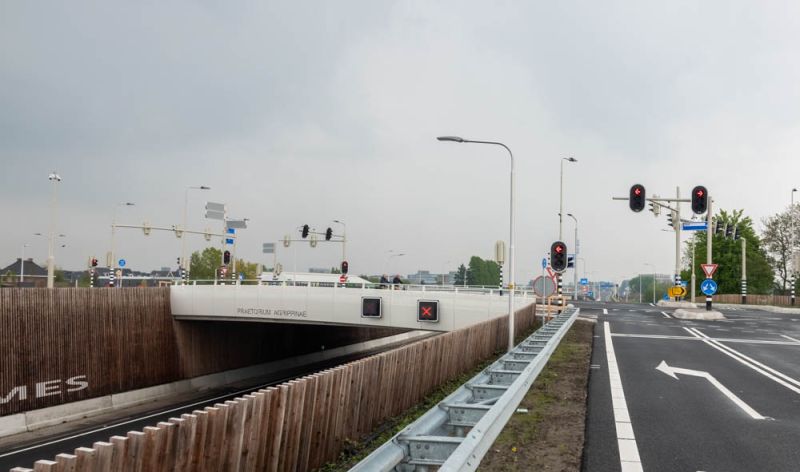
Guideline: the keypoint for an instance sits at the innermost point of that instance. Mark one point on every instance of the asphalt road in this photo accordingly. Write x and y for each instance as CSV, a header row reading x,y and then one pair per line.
x,y
733,405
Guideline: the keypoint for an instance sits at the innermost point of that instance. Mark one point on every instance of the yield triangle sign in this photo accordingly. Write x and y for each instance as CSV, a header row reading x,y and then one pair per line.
x,y
709,269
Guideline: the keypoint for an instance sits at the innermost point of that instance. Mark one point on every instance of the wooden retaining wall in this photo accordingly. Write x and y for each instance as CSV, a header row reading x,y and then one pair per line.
x,y
118,340
302,424
736,298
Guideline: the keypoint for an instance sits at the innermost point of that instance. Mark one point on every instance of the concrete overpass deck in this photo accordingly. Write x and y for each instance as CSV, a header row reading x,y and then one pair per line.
x,y
414,307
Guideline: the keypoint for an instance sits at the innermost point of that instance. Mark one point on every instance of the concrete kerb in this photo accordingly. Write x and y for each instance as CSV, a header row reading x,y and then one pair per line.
x,y
769,308
674,304
697,314
67,412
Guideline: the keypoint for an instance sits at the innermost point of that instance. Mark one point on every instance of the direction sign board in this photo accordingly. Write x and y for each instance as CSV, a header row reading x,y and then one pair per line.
x,y
121,263
677,291
709,269
544,286
709,287
694,226
584,282
228,241
215,211
268,248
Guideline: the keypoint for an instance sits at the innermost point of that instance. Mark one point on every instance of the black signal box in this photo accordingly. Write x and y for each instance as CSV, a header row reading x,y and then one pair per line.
x,y
428,310
371,307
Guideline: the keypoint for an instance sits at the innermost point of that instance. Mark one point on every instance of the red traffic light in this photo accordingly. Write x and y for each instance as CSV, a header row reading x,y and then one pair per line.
x,y
699,199
636,198
637,191
559,248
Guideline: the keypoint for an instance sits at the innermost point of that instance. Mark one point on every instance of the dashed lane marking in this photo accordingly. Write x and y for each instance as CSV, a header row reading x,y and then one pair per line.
x,y
665,314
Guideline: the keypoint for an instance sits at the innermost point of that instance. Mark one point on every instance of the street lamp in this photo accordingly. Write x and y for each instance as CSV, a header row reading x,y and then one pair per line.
x,y
575,263
22,264
392,254
344,238
184,264
561,197
511,285
113,262
51,263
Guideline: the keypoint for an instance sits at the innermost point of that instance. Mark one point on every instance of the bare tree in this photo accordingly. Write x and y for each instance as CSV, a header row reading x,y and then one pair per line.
x,y
780,239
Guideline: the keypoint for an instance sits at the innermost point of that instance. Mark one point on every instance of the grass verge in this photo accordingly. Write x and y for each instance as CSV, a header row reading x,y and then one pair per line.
x,y
355,451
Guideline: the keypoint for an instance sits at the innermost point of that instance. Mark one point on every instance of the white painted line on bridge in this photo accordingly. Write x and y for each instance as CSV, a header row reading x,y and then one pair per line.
x,y
665,314
791,338
626,441
769,372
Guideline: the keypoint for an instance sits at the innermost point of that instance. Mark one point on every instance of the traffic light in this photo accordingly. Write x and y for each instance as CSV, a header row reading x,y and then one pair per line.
x,y
671,219
558,256
304,231
94,262
328,234
720,228
637,198
345,266
736,233
699,199
226,257
728,230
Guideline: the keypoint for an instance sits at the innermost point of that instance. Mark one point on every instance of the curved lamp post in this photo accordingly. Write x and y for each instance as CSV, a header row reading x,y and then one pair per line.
x,y
511,282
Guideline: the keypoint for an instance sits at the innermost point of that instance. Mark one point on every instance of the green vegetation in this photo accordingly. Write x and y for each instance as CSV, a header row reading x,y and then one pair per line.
x,y
203,265
728,254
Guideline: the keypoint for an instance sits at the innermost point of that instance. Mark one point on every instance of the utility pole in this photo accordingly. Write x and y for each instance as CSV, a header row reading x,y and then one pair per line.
x,y
51,263
744,270
694,276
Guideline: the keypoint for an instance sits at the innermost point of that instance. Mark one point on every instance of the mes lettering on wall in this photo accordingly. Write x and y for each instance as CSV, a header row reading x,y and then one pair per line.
x,y
47,388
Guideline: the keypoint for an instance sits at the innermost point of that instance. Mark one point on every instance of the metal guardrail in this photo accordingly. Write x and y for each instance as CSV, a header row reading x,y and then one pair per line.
x,y
454,435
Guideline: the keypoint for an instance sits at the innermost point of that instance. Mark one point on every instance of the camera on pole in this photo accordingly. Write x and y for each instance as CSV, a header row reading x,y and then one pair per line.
x,y
637,198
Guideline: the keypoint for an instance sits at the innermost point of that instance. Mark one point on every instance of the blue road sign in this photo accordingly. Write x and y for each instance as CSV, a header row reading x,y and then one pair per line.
x,y
231,231
228,241
584,281
590,294
708,287
695,226
544,263
684,283
121,263
666,297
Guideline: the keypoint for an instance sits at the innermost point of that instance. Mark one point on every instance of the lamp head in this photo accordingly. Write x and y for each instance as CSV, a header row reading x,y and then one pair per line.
x,y
455,139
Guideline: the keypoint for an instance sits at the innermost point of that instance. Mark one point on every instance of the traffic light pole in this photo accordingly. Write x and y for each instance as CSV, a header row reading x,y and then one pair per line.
x,y
677,240
709,239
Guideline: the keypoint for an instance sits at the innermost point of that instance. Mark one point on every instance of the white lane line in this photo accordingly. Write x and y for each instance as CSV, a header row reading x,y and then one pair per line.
x,y
790,338
694,338
665,314
652,304
605,311
762,369
626,441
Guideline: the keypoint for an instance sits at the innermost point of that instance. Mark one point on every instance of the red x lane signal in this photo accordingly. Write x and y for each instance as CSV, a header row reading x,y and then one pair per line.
x,y
428,310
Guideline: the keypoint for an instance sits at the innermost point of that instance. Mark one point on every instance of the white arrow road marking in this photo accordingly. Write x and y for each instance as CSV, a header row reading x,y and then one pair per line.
x,y
605,311
671,371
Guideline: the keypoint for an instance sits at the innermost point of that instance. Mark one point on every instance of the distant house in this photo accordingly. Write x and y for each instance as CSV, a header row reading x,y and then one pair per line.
x,y
34,275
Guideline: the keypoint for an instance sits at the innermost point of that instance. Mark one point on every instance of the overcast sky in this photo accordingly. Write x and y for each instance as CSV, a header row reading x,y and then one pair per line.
x,y
304,112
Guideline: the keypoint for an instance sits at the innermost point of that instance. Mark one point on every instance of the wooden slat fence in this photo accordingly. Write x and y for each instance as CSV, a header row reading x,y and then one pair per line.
x,y
302,424
736,298
123,339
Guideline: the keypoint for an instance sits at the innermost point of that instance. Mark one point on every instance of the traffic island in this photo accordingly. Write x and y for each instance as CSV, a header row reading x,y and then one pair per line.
x,y
698,314
547,432
674,304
